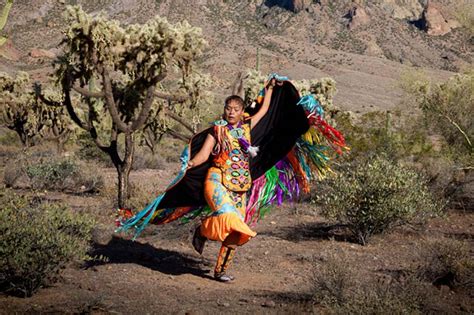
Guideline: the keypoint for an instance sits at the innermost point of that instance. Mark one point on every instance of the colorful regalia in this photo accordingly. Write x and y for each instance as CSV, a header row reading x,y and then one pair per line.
x,y
293,140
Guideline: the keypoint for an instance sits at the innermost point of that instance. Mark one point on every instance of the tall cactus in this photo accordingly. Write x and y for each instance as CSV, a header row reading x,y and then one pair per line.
x,y
3,20
130,65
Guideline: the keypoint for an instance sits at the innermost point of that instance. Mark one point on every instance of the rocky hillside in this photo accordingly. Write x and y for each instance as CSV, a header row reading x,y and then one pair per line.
x,y
364,45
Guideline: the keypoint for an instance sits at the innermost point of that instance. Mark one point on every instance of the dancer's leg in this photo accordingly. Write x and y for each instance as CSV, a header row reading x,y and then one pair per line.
x,y
223,262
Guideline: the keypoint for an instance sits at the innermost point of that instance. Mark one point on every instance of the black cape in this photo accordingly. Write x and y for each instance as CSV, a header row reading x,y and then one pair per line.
x,y
275,135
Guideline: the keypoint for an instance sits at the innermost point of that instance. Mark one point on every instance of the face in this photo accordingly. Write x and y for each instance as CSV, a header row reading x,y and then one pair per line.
x,y
233,112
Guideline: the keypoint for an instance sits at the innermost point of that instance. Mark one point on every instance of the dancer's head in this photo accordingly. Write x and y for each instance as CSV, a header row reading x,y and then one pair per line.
x,y
234,109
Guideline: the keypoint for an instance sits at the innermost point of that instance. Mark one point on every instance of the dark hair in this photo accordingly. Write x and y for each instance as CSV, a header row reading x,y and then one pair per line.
x,y
234,98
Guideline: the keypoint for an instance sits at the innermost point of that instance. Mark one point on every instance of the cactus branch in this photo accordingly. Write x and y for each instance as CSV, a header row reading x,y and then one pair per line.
x,y
180,120
145,111
171,98
175,134
5,12
110,102
86,93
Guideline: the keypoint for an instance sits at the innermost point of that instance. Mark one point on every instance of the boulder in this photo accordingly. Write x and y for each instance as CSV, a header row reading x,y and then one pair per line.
x,y
402,9
433,21
357,17
299,5
42,53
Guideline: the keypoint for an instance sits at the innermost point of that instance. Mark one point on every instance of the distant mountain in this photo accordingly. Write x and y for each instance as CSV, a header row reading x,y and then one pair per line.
x,y
363,44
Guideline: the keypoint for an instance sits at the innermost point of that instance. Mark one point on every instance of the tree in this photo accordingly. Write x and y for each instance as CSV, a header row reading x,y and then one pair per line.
x,y
31,118
19,109
170,117
120,72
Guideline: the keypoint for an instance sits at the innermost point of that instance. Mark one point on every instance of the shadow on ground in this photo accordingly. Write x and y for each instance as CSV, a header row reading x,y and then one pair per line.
x,y
311,231
122,251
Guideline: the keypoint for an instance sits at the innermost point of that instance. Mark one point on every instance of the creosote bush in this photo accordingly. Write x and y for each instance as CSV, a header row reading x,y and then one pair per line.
x,y
446,262
373,196
51,173
339,287
38,240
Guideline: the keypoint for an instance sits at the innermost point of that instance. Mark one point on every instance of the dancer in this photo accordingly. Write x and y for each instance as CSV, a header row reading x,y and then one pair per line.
x,y
279,146
228,180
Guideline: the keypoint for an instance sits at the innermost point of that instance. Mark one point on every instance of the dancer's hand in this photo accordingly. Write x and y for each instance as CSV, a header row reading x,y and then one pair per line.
x,y
270,84
190,165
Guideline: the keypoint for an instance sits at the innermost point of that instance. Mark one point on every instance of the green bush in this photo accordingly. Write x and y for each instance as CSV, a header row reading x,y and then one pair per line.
x,y
47,174
38,240
389,133
448,109
51,173
446,262
373,196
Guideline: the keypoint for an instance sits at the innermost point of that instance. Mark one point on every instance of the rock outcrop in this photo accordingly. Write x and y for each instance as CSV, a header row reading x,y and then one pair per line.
x,y
357,17
433,21
402,9
42,53
292,5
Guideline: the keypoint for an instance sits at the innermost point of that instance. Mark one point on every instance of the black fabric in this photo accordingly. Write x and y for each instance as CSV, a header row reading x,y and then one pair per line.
x,y
275,135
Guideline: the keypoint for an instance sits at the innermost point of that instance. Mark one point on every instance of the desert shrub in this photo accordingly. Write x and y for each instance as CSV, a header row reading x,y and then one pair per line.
x,y
52,173
8,137
448,108
89,151
390,133
376,195
339,286
38,240
446,262
145,160
334,280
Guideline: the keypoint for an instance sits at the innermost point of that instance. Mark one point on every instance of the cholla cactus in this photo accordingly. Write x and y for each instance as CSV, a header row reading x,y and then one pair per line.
x,y
130,66
3,19
19,111
323,89
58,126
29,117
253,82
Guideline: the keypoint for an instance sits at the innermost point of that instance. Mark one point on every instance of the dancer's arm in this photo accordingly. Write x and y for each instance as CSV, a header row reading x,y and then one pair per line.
x,y
266,104
203,154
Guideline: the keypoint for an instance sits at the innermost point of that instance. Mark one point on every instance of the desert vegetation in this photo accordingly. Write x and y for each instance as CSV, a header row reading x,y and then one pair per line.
x,y
388,230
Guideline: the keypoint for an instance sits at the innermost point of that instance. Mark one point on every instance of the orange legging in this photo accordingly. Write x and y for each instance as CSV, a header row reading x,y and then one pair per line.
x,y
226,223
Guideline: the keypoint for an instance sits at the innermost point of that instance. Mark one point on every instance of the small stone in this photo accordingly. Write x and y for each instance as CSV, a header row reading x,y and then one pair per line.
x,y
221,303
269,303
273,222
266,253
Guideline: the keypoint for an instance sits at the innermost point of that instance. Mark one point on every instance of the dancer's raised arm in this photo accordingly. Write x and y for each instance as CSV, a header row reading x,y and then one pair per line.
x,y
266,104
